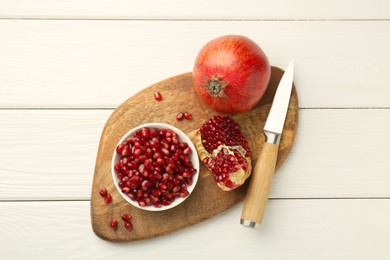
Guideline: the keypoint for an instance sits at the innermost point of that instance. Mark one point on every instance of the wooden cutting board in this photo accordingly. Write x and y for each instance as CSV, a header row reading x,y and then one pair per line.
x,y
207,200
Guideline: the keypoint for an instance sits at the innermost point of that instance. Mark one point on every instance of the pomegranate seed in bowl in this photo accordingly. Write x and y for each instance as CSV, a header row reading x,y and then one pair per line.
x,y
160,168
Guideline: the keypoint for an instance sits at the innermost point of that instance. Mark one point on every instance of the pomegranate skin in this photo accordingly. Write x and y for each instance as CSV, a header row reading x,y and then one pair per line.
x,y
236,64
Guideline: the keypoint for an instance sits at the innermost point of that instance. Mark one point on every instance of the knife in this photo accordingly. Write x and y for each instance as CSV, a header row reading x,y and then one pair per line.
x,y
258,190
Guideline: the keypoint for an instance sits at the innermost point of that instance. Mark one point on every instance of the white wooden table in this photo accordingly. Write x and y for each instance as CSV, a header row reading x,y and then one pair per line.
x,y
65,65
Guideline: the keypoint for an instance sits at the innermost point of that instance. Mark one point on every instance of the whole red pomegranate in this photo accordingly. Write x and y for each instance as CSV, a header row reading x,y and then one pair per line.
x,y
231,74
224,151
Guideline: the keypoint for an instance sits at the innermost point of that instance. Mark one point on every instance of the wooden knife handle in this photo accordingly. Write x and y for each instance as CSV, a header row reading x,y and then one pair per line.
x,y
259,187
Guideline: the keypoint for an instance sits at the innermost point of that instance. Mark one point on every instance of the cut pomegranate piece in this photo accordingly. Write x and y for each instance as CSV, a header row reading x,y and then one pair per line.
x,y
224,151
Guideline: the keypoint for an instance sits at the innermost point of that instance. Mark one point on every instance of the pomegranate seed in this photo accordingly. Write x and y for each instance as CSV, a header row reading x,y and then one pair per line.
x,y
157,155
187,151
156,192
159,162
103,192
189,182
168,133
128,226
165,145
137,152
107,199
141,202
125,189
186,174
148,202
184,194
125,152
131,196
145,132
114,224
167,202
162,186
165,151
140,193
179,116
157,96
117,167
148,164
157,204
132,165
175,189
126,217
169,169
119,149
183,145
187,115
229,183
145,185
142,158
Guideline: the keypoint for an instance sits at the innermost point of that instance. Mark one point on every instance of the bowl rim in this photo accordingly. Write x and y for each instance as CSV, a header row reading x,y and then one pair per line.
x,y
194,159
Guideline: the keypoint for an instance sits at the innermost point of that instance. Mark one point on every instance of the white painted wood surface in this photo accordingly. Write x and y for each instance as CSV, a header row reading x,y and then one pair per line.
x,y
294,229
200,9
98,63
65,65
50,154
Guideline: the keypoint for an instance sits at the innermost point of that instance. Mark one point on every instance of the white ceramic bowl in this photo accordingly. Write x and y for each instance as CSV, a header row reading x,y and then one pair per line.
x,y
194,159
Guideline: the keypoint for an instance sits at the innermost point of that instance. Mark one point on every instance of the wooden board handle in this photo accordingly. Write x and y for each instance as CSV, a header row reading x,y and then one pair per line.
x,y
257,195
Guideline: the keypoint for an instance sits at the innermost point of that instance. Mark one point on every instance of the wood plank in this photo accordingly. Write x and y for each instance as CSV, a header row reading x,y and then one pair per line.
x,y
298,229
47,155
50,154
200,9
100,63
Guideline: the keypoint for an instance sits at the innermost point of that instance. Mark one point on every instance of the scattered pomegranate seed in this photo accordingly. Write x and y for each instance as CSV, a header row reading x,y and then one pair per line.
x,y
103,192
179,116
187,115
129,226
126,217
114,224
107,199
157,96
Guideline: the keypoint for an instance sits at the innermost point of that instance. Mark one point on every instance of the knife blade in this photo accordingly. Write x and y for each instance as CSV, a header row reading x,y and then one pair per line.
x,y
257,195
